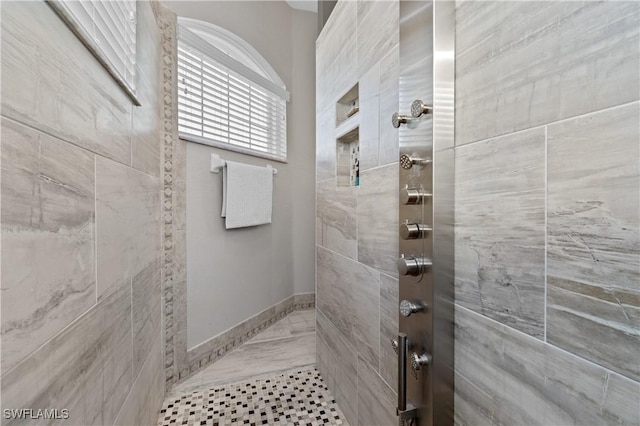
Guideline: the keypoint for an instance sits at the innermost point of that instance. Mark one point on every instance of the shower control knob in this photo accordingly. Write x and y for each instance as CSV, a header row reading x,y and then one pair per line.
x,y
413,266
412,196
407,308
412,231
398,119
417,361
418,108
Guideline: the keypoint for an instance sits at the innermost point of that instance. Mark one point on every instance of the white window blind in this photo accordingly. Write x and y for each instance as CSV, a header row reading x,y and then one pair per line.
x,y
108,29
224,103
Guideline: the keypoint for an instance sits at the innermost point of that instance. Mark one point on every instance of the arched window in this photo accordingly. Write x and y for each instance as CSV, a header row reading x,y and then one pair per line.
x,y
228,94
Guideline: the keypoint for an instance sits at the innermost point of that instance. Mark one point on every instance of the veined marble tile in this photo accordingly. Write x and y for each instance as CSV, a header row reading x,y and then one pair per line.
x,y
85,368
378,219
336,52
369,83
593,299
349,294
479,381
48,274
336,209
507,377
522,64
378,31
147,320
389,302
127,223
326,144
51,82
146,137
369,137
376,400
338,362
256,358
388,103
147,393
500,226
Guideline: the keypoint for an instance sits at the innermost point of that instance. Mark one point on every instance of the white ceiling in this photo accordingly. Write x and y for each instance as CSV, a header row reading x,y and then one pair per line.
x,y
308,5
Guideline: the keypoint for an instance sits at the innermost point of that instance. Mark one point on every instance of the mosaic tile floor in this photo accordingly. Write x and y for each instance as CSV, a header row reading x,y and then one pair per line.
x,y
298,397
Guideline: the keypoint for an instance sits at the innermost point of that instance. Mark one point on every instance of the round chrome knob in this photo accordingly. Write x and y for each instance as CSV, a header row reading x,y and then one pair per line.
x,y
412,265
410,196
394,345
418,361
398,119
412,231
407,308
418,108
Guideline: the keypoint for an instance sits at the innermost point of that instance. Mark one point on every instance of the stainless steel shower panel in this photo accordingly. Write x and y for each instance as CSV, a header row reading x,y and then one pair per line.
x,y
426,258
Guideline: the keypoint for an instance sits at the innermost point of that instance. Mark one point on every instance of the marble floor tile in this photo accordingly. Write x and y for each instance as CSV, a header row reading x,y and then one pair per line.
x,y
289,343
298,397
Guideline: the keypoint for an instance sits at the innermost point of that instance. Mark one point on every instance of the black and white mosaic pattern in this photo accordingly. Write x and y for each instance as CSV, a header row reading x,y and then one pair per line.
x,y
294,398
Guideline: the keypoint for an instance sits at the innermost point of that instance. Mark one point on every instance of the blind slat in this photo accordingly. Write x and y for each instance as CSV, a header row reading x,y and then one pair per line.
x,y
216,104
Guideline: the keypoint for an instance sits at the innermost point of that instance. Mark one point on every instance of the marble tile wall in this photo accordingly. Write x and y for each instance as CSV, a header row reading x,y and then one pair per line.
x,y
356,227
547,219
81,271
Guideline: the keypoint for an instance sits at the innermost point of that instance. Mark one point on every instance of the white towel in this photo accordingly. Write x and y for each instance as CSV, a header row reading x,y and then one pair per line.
x,y
247,195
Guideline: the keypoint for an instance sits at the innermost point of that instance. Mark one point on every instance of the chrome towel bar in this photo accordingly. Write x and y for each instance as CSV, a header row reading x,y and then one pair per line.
x,y
218,163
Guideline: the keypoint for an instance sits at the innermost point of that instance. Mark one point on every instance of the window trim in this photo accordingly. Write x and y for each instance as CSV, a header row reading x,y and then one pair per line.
x,y
60,9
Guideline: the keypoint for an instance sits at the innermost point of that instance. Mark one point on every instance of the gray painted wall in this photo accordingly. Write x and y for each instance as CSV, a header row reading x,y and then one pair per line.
x,y
233,275
547,213
81,250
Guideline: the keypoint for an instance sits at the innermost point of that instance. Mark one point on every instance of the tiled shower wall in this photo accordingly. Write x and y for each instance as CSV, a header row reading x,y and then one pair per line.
x,y
547,222
547,213
356,227
81,250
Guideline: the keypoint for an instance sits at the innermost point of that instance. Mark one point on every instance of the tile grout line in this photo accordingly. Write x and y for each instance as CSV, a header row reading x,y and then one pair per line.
x,y
546,226
508,329
574,117
95,222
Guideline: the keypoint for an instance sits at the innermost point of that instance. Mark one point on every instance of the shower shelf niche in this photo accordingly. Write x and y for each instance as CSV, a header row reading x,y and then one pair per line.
x,y
347,106
348,158
347,139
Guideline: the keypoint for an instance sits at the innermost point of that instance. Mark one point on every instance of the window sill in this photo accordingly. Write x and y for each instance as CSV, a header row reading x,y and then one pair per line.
x,y
221,145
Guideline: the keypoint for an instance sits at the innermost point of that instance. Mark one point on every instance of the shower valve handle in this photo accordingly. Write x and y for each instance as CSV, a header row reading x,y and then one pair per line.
x,y
417,361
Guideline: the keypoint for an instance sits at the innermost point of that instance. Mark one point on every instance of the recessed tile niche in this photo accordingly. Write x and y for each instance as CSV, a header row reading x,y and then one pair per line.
x,y
347,140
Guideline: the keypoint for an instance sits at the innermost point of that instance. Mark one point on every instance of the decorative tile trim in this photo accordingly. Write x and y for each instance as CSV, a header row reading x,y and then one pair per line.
x,y
168,22
215,348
